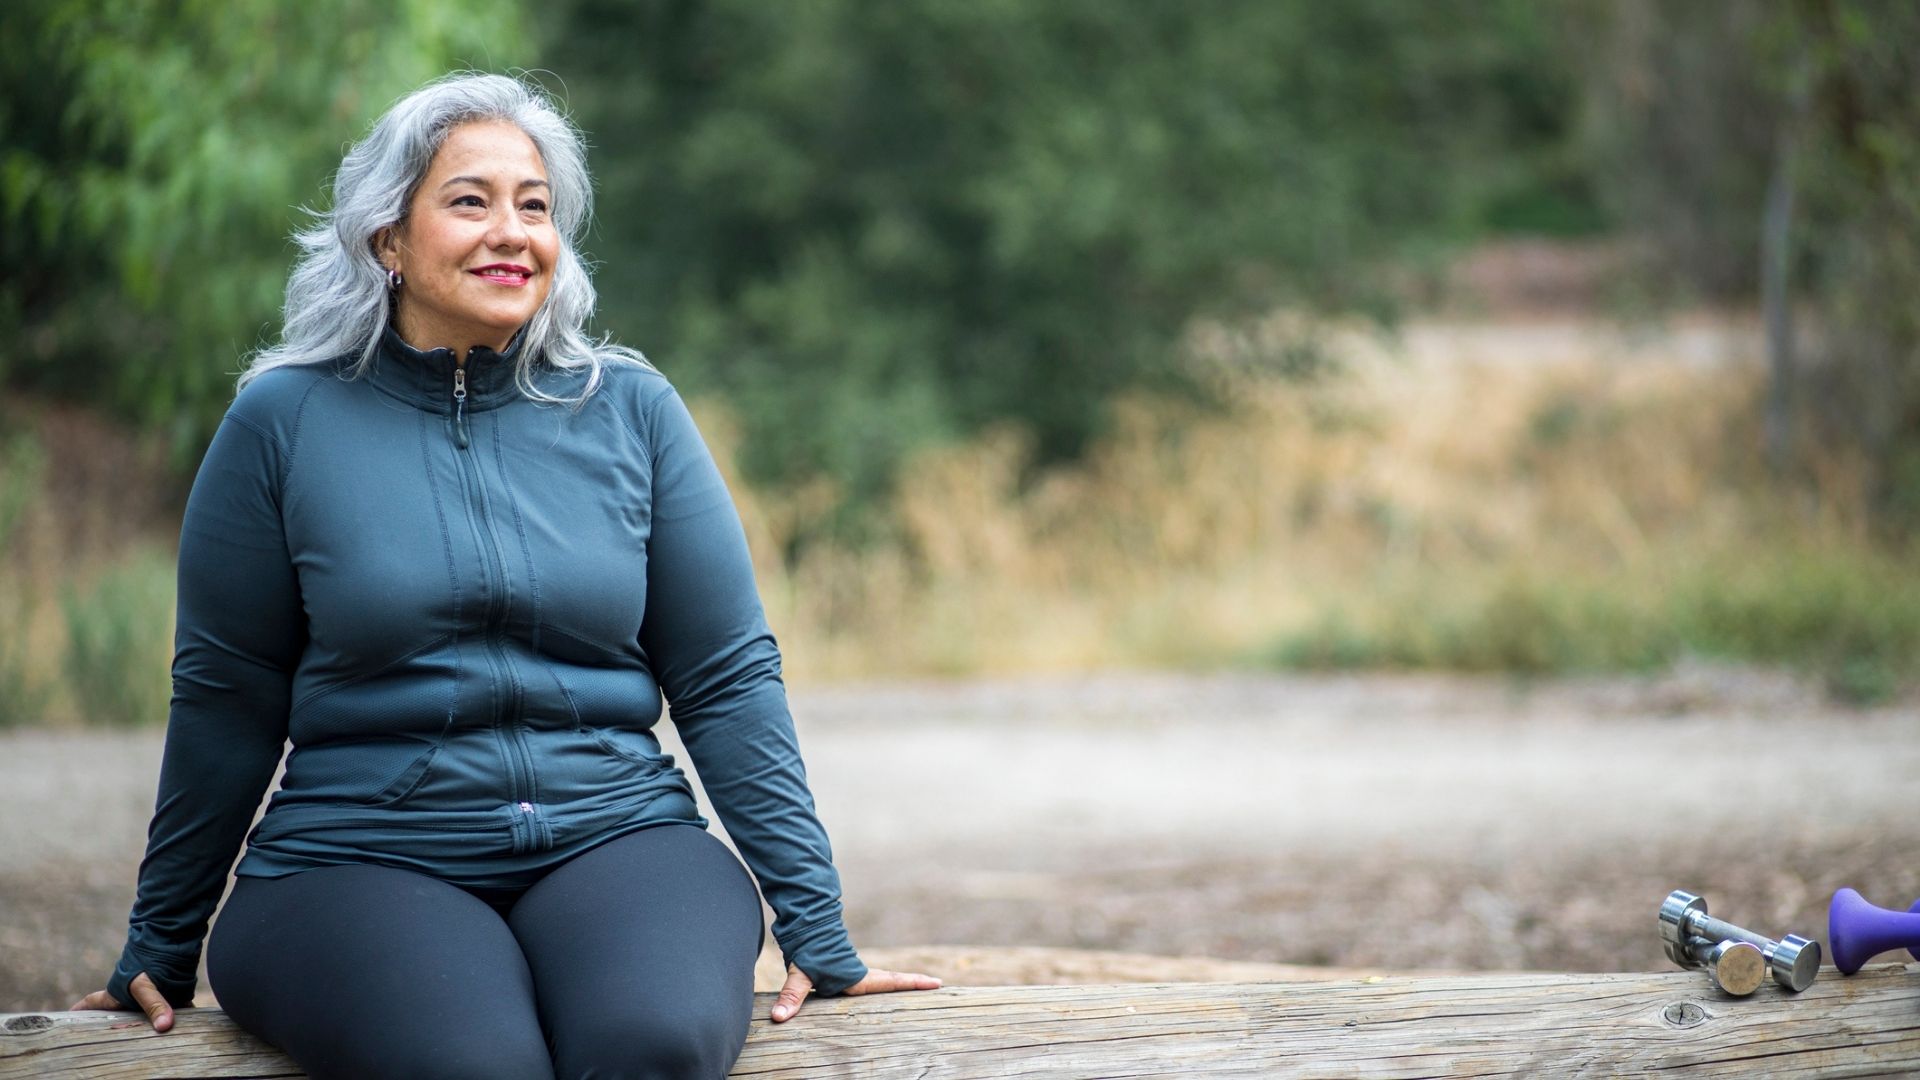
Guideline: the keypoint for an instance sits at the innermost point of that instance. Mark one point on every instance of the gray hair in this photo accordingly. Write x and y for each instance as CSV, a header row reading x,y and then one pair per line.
x,y
337,297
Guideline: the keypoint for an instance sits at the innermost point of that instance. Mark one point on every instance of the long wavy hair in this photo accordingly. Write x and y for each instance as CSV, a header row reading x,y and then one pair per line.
x,y
338,302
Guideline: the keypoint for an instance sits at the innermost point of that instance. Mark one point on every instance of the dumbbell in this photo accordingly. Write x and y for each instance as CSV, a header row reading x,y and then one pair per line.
x,y
1737,967
1859,931
1793,961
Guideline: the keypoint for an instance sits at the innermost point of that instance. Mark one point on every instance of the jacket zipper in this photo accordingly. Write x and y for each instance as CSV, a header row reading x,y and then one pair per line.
x,y
460,406
519,765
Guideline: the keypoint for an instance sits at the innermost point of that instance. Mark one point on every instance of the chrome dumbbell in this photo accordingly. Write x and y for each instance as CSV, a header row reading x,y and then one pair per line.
x,y
1793,960
1737,967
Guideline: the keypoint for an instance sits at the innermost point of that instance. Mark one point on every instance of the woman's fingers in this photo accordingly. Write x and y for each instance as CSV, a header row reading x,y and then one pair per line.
x,y
148,998
145,995
99,999
877,982
885,982
791,995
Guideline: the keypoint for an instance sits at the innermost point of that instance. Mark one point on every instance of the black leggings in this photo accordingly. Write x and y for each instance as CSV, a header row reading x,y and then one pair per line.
x,y
633,959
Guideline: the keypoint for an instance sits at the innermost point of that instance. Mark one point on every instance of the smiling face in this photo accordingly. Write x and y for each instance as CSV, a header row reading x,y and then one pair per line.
x,y
478,246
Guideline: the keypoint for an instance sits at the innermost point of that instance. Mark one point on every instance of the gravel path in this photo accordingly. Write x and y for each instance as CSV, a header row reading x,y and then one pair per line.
x,y
1414,822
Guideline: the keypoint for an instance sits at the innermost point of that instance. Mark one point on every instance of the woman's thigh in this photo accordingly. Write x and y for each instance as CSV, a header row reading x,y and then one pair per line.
x,y
367,971
642,954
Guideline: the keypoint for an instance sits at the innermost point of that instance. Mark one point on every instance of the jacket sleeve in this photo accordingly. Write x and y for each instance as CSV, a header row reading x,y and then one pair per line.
x,y
239,632
706,637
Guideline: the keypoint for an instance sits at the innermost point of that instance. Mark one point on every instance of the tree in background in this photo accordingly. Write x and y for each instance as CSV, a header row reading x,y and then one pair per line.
x,y
1679,122
869,227
153,157
1859,157
1785,138
872,226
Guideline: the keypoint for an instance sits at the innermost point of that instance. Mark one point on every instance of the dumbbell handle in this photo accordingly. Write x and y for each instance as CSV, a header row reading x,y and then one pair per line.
x,y
1701,949
1716,930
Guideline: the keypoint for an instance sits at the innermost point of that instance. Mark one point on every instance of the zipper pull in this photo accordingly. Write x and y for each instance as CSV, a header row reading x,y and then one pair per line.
x,y
460,406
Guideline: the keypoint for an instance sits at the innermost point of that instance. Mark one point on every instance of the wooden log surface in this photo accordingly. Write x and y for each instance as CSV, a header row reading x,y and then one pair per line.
x,y
1379,1026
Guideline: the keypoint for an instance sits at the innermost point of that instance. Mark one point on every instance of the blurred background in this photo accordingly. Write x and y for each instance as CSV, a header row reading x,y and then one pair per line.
x,y
1235,341
1054,335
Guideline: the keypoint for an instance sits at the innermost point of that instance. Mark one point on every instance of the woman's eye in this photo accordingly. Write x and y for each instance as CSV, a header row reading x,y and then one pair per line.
x,y
468,200
536,205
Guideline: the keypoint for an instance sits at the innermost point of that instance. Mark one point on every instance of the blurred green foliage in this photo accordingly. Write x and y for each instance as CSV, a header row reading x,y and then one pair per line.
x,y
1849,617
23,463
153,157
869,226
120,641
1693,109
872,227
875,225
1857,150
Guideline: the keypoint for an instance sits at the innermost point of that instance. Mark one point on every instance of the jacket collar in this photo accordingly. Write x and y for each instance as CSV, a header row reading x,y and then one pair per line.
x,y
425,379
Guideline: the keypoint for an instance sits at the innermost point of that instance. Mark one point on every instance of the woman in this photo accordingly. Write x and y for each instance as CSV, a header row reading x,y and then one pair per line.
x,y
456,551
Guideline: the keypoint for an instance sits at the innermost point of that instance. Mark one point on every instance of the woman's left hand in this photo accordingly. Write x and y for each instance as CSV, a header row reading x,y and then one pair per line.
x,y
877,982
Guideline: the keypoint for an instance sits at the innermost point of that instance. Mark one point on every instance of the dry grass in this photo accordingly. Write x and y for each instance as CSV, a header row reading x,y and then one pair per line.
x,y
88,524
1435,475
1534,494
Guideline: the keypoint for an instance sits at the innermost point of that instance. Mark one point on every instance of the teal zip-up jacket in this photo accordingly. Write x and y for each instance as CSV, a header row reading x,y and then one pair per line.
x,y
463,607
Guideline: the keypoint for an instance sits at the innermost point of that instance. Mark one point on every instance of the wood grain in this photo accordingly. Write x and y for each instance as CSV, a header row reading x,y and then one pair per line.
x,y
1380,1026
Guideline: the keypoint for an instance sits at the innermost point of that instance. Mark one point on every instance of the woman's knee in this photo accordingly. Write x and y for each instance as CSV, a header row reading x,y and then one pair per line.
x,y
687,1043
466,1056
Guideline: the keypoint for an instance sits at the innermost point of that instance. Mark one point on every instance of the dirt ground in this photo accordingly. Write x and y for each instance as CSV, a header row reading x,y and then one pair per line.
x,y
983,829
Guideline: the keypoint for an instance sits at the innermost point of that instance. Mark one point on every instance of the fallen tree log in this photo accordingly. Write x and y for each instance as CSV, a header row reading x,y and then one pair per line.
x,y
1380,1026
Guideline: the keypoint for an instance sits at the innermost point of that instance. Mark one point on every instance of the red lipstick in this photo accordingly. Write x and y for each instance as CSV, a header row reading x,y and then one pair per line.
x,y
512,275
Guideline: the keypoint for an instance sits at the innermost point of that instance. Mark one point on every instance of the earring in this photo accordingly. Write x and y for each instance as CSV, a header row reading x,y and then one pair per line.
x,y
394,280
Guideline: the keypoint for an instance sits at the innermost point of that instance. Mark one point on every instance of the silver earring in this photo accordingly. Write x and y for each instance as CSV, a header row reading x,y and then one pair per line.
x,y
394,280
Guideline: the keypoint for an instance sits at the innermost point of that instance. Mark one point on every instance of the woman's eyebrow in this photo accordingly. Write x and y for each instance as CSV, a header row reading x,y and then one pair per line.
x,y
481,182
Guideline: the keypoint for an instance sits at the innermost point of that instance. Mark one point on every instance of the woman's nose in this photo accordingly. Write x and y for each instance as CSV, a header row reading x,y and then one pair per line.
x,y
508,231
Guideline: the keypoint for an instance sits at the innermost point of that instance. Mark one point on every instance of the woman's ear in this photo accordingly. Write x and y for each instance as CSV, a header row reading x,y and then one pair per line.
x,y
386,247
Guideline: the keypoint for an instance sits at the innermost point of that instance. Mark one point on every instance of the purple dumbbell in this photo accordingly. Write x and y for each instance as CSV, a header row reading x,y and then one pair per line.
x,y
1857,931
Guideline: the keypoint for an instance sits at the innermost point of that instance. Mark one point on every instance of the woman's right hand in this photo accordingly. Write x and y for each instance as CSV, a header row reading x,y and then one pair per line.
x,y
159,1013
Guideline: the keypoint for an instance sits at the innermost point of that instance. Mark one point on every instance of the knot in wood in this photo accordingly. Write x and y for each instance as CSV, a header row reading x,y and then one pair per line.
x,y
1685,1014
24,1025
